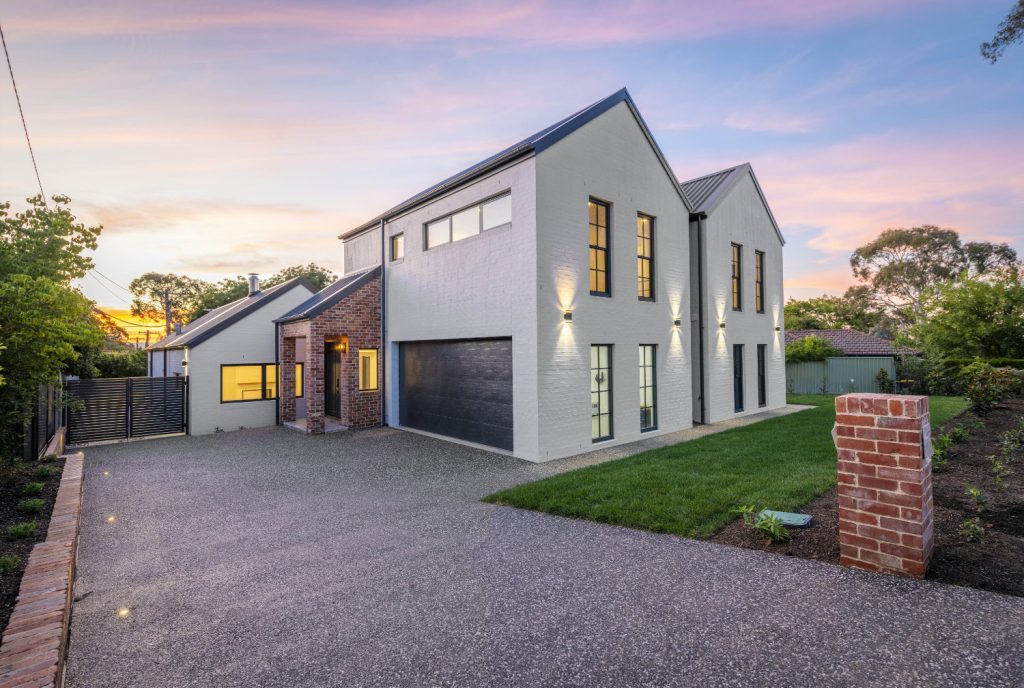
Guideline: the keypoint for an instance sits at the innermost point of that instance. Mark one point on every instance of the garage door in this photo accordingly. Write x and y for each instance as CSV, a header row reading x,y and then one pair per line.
x,y
461,389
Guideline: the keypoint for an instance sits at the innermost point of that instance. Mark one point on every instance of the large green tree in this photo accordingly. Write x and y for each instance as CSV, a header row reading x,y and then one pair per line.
x,y
46,325
855,310
1009,31
155,295
234,288
974,318
901,264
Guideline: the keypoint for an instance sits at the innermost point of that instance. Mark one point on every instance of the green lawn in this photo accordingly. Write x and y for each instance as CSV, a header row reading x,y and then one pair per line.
x,y
692,488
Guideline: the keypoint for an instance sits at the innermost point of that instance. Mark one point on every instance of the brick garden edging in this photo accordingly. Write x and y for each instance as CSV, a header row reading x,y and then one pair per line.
x,y
885,483
35,641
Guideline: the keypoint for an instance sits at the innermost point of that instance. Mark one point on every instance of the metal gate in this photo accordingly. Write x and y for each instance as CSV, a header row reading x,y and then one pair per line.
x,y
120,408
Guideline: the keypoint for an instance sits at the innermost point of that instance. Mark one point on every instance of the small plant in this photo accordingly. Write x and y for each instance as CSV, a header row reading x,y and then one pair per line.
x,y
32,489
958,434
972,530
941,449
22,530
9,563
884,382
767,525
983,386
46,472
977,496
999,471
49,458
30,506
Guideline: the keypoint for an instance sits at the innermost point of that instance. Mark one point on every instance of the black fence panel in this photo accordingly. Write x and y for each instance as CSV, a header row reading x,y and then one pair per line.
x,y
123,407
46,420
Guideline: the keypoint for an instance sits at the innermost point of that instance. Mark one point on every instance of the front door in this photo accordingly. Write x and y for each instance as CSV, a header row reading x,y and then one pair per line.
x,y
332,381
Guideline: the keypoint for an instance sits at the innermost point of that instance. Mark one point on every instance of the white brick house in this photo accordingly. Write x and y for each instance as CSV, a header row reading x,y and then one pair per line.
x,y
570,293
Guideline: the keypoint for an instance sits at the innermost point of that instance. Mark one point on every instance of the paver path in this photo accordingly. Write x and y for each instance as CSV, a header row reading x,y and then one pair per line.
x,y
266,558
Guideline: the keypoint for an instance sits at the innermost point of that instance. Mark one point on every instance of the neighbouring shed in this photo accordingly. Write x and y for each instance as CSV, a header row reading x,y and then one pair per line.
x,y
856,371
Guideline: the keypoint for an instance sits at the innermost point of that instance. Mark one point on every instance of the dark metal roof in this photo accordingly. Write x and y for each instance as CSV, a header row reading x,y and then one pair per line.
x,y
543,139
217,320
329,296
852,342
707,192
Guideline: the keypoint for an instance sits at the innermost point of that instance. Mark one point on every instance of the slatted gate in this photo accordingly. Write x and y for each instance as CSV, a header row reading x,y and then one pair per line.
x,y
120,408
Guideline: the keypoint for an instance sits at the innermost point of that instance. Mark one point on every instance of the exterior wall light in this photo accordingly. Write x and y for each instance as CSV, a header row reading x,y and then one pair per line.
x,y
721,325
567,316
778,329
677,322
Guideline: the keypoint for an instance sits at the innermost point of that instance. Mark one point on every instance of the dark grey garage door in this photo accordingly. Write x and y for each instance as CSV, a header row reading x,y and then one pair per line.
x,y
459,388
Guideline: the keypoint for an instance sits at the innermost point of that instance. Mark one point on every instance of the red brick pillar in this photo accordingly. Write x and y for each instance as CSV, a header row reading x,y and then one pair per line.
x,y
885,483
286,383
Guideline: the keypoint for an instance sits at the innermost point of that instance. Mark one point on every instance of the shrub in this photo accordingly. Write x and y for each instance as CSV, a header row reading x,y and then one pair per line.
x,y
884,382
131,363
9,563
22,530
941,449
977,496
1011,381
999,471
982,386
810,348
767,525
972,530
30,506
32,489
46,472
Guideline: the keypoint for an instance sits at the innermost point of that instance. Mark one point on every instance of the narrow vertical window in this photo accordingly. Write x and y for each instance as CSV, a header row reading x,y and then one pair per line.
x,y
367,370
298,381
645,257
762,383
759,281
600,392
598,238
737,294
648,388
398,246
737,377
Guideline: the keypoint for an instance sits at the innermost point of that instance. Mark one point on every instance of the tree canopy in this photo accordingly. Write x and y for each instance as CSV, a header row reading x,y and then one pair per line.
x,y
811,348
974,318
1009,31
154,292
854,310
232,289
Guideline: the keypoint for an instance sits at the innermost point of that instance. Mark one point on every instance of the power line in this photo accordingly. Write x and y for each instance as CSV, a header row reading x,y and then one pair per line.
x,y
126,322
22,113
110,291
110,280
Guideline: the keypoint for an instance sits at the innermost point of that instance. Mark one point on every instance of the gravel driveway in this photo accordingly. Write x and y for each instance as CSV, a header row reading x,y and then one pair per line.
x,y
269,558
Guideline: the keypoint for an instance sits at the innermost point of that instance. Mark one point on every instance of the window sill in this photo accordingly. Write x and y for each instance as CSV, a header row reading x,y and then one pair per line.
x,y
599,440
604,295
643,430
646,299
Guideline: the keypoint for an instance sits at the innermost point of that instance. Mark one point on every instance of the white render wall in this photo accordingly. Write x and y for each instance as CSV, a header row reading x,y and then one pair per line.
x,y
612,160
742,218
361,251
474,288
250,340
174,359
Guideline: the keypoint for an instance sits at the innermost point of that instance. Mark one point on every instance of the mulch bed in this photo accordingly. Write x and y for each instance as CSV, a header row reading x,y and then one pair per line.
x,y
13,478
995,563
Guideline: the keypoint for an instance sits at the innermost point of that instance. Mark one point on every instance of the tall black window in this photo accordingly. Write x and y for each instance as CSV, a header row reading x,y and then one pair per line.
x,y
648,387
762,385
600,392
737,293
645,257
759,281
598,238
737,376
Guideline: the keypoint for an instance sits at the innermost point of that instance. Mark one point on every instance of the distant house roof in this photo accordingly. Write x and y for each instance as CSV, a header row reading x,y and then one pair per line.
x,y
329,296
206,326
543,139
852,342
707,192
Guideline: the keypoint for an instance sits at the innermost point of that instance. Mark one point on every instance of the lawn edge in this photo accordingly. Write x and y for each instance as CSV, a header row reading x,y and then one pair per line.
x,y
34,644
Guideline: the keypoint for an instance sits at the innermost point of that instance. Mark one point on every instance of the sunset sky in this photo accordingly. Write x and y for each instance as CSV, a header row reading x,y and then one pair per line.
x,y
217,138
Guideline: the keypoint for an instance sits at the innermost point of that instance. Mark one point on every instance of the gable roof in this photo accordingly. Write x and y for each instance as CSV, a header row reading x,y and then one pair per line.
x,y
706,193
542,140
217,320
852,342
329,296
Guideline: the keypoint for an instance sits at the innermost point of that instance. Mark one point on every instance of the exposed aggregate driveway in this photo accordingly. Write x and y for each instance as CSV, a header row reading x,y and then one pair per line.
x,y
269,558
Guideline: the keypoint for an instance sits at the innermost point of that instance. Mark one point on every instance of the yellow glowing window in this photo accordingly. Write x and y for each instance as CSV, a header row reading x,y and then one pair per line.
x,y
367,369
248,382
298,380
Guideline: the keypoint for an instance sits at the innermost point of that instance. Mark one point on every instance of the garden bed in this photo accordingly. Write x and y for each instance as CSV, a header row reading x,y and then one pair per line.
x,y
13,481
994,562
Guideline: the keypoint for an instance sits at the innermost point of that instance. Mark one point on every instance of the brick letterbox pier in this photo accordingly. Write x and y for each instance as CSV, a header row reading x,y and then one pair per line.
x,y
885,483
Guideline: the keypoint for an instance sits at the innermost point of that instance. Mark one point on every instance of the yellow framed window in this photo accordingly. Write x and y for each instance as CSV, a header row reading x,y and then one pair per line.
x,y
247,382
367,370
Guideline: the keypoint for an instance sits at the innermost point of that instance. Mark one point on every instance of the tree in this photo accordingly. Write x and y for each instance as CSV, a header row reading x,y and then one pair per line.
x,y
1009,31
127,363
811,348
169,296
232,289
853,310
318,276
901,264
974,318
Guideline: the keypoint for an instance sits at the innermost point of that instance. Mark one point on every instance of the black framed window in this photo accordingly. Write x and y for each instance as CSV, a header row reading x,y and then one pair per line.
x,y
737,267
737,377
648,387
600,392
600,283
240,382
645,257
762,383
468,222
398,246
759,281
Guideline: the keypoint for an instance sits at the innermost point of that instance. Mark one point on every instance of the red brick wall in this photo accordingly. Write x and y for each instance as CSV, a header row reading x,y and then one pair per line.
x,y
885,482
